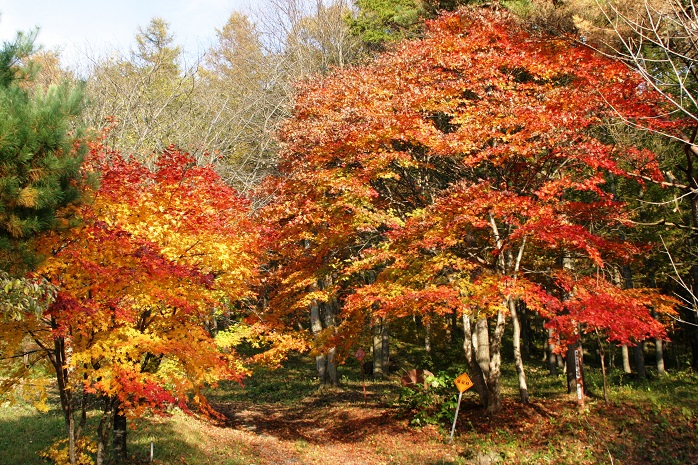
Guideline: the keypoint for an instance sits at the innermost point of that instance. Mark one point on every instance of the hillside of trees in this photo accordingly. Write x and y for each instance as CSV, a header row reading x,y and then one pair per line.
x,y
400,190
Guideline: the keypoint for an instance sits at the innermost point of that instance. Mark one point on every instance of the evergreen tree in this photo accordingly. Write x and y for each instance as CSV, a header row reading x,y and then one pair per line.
x,y
40,155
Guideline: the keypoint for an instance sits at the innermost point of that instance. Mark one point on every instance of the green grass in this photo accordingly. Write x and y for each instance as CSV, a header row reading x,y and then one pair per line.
x,y
645,422
24,432
295,381
184,439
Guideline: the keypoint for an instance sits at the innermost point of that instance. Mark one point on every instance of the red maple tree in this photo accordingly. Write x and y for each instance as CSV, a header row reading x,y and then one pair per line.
x,y
465,172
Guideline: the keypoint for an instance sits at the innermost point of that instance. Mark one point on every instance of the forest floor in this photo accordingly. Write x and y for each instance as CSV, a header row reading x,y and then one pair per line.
x,y
282,417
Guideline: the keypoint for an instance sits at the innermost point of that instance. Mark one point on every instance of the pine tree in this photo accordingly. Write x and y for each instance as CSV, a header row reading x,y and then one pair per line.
x,y
40,152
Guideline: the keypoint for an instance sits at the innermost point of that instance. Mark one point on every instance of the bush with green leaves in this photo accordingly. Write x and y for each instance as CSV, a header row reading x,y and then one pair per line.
x,y
431,403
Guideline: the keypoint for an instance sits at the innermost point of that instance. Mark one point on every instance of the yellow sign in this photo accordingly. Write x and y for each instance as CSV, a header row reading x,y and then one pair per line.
x,y
463,382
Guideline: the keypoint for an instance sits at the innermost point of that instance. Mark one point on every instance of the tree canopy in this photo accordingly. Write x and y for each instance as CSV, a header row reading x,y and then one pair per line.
x,y
457,174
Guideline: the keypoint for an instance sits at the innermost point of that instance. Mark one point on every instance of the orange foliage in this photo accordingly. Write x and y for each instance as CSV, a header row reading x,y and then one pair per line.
x,y
156,253
453,174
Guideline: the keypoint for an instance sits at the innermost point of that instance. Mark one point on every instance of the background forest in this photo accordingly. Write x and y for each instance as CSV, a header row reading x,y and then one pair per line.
x,y
348,192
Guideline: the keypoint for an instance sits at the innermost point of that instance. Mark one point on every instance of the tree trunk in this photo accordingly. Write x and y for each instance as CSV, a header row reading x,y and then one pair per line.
x,y
523,389
639,352
626,359
575,372
611,357
692,329
316,328
59,360
454,327
552,355
570,369
638,349
377,331
104,430
385,349
470,349
602,356
627,274
659,351
331,309
119,438
381,349
332,376
659,356
493,386
322,317
482,346
483,355
525,330
427,337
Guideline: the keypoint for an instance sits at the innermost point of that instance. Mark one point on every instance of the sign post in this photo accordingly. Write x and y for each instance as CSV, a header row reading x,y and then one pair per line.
x,y
463,383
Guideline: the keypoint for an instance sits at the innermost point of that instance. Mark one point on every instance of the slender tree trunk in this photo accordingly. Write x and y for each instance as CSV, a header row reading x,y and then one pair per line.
x,y
552,355
575,372
659,352
692,329
104,430
639,352
470,348
385,348
332,376
119,448
331,309
658,343
427,337
59,360
493,386
322,318
481,343
570,369
378,348
454,327
523,389
525,330
316,328
611,358
381,349
602,356
628,278
626,359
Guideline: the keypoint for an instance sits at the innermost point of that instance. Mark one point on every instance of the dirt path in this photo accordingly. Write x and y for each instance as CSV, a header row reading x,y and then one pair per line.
x,y
317,433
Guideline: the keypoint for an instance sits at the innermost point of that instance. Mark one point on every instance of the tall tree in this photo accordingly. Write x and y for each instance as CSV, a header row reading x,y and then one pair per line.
x,y
40,152
658,39
151,94
243,97
138,281
456,171
310,36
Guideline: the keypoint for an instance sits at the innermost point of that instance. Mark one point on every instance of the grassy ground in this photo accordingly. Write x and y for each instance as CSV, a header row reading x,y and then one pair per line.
x,y
280,417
